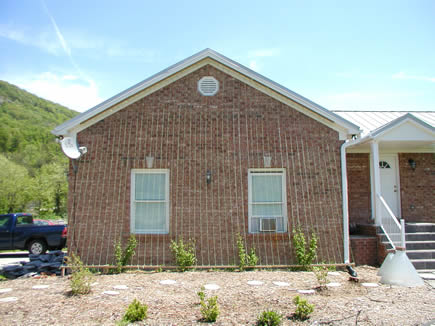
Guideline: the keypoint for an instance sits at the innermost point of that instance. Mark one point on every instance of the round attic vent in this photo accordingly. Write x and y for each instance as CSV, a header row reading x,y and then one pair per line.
x,y
208,86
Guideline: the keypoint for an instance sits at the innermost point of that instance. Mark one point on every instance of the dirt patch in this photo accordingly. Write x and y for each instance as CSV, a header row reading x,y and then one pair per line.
x,y
240,303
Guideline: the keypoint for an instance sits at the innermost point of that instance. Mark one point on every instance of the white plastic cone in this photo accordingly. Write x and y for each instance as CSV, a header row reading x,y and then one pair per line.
x,y
400,271
386,264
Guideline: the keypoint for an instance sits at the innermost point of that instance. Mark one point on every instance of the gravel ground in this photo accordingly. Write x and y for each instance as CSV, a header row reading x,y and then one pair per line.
x,y
240,303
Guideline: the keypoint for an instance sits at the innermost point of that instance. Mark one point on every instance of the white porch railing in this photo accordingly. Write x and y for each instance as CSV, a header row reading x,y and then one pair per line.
x,y
393,230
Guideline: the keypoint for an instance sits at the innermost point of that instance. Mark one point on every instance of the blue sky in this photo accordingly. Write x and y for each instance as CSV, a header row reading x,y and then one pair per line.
x,y
367,55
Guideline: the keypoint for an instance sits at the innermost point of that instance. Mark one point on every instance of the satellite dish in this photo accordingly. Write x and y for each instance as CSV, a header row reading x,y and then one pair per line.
x,y
69,147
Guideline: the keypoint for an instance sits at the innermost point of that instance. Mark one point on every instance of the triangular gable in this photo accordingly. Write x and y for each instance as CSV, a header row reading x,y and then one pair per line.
x,y
181,69
405,128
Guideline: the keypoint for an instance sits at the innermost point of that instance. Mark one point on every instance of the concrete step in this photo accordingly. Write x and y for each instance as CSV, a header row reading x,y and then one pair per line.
x,y
420,245
419,227
418,236
423,264
421,254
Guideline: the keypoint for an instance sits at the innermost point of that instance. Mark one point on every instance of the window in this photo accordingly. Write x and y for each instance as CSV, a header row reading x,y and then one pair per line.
x,y
24,220
149,201
384,165
267,200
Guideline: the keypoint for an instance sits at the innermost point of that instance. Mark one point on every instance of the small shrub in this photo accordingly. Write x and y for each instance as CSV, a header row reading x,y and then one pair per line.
x,y
269,318
184,254
209,307
245,259
304,255
3,278
321,273
303,308
81,277
122,257
135,312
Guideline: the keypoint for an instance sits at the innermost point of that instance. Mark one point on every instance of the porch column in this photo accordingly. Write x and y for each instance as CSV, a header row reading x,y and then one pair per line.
x,y
376,182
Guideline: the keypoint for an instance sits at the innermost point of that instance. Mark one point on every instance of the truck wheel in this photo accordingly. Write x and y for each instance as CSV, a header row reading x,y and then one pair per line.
x,y
37,247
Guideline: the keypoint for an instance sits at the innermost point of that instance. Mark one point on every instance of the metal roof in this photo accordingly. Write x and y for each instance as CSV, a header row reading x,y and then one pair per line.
x,y
70,125
369,121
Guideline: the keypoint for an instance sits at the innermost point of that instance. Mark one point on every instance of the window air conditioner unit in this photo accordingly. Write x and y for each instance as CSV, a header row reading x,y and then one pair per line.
x,y
268,225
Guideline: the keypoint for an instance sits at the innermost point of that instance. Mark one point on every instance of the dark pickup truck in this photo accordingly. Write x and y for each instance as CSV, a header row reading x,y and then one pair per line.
x,y
17,231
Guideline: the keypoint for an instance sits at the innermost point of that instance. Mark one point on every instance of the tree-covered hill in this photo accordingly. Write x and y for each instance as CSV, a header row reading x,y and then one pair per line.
x,y
32,165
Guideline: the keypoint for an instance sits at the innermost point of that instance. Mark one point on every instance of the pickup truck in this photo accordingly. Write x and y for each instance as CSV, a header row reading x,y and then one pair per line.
x,y
17,231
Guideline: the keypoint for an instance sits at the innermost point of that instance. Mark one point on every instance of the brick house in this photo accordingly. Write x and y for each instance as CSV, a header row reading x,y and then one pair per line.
x,y
208,149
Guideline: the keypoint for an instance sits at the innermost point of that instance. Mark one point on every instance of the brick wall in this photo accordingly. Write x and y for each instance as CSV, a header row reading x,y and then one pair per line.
x,y
364,250
189,134
358,176
417,187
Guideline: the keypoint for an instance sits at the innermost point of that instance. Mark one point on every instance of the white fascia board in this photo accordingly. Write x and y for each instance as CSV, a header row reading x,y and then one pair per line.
x,y
74,123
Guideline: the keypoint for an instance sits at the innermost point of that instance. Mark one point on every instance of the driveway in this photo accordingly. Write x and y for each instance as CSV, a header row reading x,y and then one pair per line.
x,y
10,258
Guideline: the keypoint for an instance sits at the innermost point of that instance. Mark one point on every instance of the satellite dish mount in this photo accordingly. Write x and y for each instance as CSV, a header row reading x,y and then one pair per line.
x,y
70,147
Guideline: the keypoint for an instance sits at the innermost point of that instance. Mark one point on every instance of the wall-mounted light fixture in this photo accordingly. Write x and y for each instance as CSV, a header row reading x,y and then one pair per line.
x,y
412,164
150,161
267,160
208,176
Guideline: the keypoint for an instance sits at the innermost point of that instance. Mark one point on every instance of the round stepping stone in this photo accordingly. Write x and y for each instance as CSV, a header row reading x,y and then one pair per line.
x,y
120,287
168,282
8,299
306,291
5,290
370,285
255,283
281,283
111,292
212,287
39,287
333,285
334,273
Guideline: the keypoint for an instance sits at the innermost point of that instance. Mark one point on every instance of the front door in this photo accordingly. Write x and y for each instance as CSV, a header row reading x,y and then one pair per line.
x,y
390,183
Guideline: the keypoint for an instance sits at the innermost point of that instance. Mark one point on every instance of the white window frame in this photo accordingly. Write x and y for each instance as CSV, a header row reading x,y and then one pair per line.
x,y
271,171
133,200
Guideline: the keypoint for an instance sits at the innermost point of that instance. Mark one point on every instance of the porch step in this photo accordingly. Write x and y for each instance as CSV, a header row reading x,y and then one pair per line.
x,y
420,264
420,245
421,254
417,236
419,227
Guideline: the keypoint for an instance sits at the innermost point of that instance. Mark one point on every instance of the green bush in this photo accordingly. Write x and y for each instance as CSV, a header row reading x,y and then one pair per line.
x,y
122,257
81,277
245,260
304,255
135,312
303,308
269,318
321,273
184,254
209,307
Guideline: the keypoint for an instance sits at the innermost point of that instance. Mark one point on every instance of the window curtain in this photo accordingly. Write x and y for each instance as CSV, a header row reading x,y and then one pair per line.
x,y
150,202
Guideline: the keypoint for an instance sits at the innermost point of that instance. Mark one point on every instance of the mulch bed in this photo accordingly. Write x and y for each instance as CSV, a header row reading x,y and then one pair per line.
x,y
240,303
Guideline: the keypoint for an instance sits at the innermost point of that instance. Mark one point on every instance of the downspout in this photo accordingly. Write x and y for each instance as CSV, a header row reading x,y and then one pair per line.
x,y
345,200
345,195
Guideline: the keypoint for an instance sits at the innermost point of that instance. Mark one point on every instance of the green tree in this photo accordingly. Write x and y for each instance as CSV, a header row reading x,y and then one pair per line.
x,y
15,186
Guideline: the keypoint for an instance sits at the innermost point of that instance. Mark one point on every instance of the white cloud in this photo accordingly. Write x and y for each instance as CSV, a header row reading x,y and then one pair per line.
x,y
71,91
51,40
402,75
43,39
